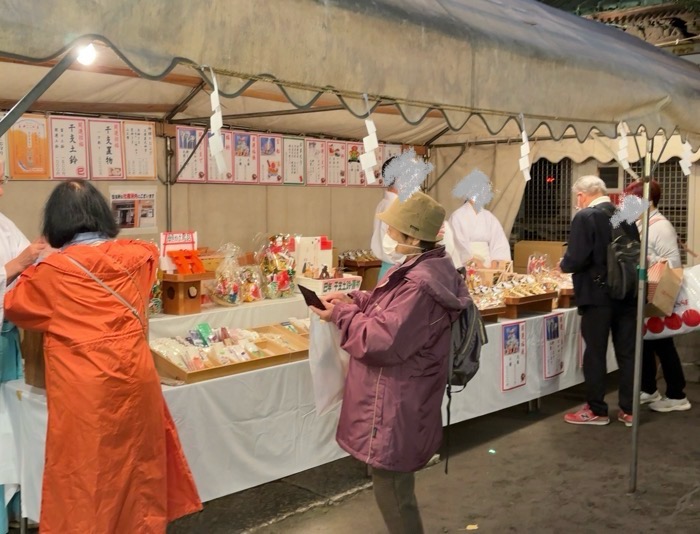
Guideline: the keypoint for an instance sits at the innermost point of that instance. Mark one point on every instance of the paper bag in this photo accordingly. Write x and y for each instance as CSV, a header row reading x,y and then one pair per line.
x,y
329,364
32,347
664,286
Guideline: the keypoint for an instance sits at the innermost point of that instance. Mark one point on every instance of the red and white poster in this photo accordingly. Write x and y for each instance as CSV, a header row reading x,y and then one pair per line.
x,y
513,355
106,150
245,158
356,176
140,150
29,154
213,174
69,148
293,165
337,163
553,345
384,152
193,157
270,151
316,156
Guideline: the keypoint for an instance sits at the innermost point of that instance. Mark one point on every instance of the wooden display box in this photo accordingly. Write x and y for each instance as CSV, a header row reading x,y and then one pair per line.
x,y
491,315
516,307
182,293
566,298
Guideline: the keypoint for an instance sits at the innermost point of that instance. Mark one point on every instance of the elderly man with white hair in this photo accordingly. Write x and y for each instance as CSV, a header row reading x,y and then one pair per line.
x,y
586,258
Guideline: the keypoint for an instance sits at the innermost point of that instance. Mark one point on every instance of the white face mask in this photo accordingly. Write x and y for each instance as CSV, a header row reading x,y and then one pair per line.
x,y
389,246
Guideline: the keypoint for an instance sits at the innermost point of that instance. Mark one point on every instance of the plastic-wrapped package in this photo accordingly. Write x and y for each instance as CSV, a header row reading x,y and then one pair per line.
x,y
228,277
277,265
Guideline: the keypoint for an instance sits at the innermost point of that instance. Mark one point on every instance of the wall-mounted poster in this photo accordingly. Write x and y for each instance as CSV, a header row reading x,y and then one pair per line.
x,y
316,156
212,170
270,150
140,150
29,149
384,152
106,150
293,150
553,345
4,166
337,163
196,168
69,148
514,356
134,209
356,176
245,158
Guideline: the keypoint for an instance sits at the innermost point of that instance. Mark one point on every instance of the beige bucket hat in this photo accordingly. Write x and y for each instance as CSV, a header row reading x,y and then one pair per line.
x,y
419,217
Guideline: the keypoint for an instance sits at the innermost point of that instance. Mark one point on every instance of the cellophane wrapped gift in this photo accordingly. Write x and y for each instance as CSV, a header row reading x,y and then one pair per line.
x,y
277,265
228,277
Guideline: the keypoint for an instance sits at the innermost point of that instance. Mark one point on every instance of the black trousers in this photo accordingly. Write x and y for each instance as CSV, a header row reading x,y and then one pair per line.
x,y
597,322
396,498
671,365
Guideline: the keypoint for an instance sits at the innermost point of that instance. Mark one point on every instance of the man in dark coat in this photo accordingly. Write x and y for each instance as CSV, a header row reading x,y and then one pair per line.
x,y
586,258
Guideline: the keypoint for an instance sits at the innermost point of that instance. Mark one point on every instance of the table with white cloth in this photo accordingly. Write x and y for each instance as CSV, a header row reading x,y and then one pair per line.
x,y
244,430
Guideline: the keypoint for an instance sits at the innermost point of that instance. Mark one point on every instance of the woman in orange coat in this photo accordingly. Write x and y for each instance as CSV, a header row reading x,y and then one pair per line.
x,y
113,458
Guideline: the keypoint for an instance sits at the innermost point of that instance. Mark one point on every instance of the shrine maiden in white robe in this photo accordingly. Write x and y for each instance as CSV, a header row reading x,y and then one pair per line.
x,y
12,243
479,235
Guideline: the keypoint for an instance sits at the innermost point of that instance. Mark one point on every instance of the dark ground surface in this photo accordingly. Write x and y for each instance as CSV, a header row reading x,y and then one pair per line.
x,y
544,476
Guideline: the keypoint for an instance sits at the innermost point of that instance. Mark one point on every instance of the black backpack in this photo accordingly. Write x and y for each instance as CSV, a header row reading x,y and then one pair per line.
x,y
623,262
468,336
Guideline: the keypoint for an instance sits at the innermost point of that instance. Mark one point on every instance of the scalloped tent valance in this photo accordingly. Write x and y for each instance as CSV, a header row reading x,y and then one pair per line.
x,y
479,63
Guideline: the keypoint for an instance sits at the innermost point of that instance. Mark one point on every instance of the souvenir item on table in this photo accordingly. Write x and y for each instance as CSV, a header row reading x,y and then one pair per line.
x,y
525,286
155,303
250,284
228,277
277,265
538,263
324,272
358,256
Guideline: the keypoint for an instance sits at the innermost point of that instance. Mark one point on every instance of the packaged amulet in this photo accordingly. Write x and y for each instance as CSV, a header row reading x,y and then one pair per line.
x,y
277,265
228,274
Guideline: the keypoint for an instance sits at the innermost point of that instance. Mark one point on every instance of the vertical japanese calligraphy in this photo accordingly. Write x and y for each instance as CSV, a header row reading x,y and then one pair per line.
x,y
245,158
212,171
270,150
293,161
196,166
316,156
337,163
69,148
140,150
106,150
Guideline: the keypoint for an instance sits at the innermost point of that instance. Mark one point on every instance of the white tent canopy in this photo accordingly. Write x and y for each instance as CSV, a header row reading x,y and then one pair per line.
x,y
470,66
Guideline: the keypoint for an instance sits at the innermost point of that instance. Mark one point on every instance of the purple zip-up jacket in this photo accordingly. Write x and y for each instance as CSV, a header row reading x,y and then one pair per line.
x,y
398,338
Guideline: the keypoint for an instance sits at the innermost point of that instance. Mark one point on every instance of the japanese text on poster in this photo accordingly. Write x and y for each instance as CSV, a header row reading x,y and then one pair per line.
x,y
69,148
134,209
29,149
212,171
337,163
245,158
553,345
106,150
195,166
356,176
140,150
316,156
383,154
293,161
270,159
514,356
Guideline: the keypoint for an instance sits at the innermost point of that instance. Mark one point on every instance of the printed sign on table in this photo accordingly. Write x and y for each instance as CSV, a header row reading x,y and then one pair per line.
x,y
69,148
28,143
196,168
293,161
514,356
270,159
172,241
245,158
134,208
212,170
553,345
106,150
140,150
316,156
356,176
337,163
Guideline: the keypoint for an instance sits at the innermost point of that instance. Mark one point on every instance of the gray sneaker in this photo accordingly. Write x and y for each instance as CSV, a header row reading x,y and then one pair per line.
x,y
648,398
670,405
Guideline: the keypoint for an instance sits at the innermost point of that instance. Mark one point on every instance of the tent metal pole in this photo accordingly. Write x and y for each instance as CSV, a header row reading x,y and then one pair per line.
x,y
168,184
23,105
194,151
443,173
639,337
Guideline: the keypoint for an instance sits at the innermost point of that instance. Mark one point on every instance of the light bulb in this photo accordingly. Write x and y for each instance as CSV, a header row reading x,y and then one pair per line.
x,y
87,55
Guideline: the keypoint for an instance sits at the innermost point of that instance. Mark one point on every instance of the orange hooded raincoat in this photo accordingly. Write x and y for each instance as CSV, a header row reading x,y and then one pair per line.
x,y
113,458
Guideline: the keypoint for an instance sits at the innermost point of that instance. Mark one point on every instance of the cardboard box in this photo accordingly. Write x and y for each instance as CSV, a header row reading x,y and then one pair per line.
x,y
663,298
524,249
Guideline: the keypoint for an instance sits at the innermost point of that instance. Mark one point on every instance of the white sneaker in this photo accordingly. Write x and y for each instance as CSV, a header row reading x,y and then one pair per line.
x,y
648,398
670,405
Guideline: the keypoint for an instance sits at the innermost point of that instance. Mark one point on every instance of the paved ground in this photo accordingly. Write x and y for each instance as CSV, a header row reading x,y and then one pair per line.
x,y
543,476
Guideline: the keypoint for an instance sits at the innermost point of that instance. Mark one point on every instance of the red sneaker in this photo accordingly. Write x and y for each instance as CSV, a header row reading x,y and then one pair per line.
x,y
585,416
624,418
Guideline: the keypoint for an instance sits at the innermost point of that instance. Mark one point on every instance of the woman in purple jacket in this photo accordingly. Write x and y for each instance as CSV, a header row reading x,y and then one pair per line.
x,y
398,337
